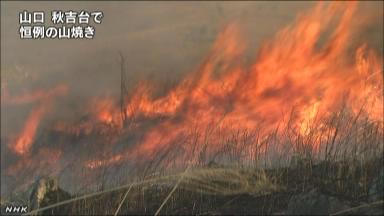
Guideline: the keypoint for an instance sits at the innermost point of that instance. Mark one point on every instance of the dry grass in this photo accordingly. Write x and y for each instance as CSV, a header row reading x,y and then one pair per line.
x,y
237,177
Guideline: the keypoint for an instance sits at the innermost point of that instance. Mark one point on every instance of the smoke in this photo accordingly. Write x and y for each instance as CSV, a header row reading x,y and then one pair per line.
x,y
161,42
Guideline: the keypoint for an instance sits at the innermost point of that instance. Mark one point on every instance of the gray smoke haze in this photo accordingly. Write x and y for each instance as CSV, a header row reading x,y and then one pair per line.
x,y
161,41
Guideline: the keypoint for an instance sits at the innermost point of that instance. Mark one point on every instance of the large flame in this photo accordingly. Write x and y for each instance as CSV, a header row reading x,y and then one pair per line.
x,y
306,72
26,137
43,99
301,69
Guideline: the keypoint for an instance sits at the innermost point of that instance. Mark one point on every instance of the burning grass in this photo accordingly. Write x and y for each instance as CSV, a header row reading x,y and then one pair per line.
x,y
224,184
229,138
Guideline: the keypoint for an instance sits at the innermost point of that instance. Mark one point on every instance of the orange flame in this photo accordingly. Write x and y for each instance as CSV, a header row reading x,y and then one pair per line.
x,y
26,137
290,72
301,75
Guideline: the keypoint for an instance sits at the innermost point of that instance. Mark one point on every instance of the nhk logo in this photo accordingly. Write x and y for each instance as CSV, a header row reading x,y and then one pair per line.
x,y
16,209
